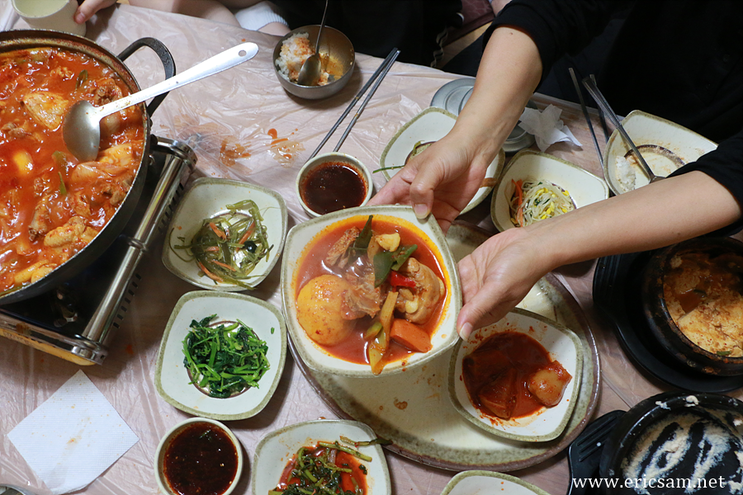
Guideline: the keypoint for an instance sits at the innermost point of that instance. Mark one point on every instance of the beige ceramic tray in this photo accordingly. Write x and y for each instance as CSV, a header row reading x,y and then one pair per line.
x,y
413,409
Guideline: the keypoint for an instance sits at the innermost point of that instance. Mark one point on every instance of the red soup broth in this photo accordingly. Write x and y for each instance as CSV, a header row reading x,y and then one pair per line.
x,y
312,264
525,355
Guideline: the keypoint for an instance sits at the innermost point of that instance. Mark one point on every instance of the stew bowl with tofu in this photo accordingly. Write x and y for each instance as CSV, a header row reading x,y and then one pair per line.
x,y
518,378
369,291
57,215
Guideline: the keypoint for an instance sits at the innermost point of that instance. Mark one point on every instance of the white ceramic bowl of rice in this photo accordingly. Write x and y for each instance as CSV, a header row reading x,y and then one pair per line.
x,y
336,52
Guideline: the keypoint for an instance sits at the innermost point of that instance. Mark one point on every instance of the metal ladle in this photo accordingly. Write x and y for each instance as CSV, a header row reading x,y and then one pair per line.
x,y
81,129
311,69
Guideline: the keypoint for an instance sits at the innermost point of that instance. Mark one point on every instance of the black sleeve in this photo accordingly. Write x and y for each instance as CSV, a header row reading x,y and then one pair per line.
x,y
725,165
558,26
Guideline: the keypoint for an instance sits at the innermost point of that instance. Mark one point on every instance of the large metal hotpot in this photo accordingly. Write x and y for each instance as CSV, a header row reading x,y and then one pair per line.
x,y
24,39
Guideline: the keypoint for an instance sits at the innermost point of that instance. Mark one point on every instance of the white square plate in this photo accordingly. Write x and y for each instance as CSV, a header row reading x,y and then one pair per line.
x,y
646,129
489,483
548,422
276,449
584,187
171,377
209,197
431,125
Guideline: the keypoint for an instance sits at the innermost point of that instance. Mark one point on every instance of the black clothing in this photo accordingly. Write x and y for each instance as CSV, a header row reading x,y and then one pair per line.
x,y
679,59
375,27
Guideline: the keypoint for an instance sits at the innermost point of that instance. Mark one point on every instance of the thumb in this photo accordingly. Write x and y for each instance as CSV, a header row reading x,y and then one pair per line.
x,y
423,185
480,311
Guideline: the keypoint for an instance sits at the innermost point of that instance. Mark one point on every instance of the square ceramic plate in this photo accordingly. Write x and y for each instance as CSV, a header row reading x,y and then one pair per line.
x,y
301,236
431,125
489,483
548,422
584,187
209,197
171,377
665,145
276,449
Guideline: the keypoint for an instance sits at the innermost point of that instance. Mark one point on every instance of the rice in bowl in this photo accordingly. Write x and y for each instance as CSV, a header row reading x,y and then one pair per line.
x,y
294,51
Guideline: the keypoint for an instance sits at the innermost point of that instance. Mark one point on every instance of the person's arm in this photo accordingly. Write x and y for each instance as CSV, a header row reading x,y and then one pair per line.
x,y
206,9
444,178
499,273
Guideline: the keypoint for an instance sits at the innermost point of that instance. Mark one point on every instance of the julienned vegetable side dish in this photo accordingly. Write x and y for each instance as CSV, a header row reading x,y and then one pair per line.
x,y
370,290
224,359
228,247
325,468
51,205
534,200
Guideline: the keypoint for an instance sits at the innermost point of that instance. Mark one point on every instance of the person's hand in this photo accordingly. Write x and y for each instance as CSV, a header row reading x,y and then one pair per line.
x,y
497,276
441,180
89,7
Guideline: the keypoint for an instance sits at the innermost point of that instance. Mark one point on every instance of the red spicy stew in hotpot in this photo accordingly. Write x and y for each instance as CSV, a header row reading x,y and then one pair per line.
x,y
51,205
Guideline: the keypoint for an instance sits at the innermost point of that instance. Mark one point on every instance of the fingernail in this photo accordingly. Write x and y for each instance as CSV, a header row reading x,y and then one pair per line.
x,y
421,211
79,18
465,331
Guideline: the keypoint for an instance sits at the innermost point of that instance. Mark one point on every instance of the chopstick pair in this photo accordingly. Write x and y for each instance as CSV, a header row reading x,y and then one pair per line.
x,y
373,82
587,116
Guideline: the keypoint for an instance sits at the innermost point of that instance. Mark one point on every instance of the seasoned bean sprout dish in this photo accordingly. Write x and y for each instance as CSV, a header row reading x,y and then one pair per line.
x,y
534,200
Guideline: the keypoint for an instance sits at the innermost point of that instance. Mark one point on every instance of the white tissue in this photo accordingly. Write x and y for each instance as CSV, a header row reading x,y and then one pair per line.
x,y
546,126
73,437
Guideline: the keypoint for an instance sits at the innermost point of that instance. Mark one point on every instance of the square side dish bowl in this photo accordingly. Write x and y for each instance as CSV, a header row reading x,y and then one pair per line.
x,y
281,447
429,126
540,186
226,235
369,291
488,483
665,145
256,355
518,378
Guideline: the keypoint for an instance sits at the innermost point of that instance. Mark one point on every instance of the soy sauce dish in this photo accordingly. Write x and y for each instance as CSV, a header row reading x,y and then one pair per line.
x,y
198,456
333,182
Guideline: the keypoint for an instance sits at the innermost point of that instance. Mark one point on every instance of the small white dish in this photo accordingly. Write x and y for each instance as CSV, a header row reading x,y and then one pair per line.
x,y
584,187
644,129
489,483
276,449
302,235
171,376
172,434
333,184
432,124
546,423
207,198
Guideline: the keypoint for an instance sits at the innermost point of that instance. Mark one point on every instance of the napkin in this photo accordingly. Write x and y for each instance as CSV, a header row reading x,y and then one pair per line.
x,y
546,126
8,16
72,437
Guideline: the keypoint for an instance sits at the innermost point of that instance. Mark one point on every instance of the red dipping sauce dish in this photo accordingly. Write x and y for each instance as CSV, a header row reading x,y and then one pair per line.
x,y
332,182
198,456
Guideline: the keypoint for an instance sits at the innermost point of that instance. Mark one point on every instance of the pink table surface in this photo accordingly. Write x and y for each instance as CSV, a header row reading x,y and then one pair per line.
x,y
242,125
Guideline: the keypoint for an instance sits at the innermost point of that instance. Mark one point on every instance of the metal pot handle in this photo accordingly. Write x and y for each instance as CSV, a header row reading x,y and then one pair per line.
x,y
165,57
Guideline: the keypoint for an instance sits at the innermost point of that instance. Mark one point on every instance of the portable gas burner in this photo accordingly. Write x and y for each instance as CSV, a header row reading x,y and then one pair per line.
x,y
78,319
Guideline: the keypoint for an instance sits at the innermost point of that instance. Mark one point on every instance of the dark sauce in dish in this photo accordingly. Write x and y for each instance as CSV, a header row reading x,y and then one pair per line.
x,y
500,352
333,186
201,460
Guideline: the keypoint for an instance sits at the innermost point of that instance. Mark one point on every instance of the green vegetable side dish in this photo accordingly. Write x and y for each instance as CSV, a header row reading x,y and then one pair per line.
x,y
326,468
224,359
228,247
